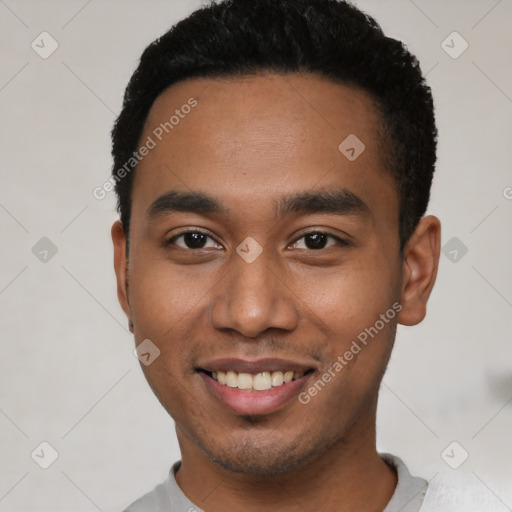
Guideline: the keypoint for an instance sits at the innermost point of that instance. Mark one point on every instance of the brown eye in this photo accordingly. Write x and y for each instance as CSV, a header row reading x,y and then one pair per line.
x,y
316,241
193,240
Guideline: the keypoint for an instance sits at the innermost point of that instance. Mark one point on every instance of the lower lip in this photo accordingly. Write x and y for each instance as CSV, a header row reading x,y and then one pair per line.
x,y
254,402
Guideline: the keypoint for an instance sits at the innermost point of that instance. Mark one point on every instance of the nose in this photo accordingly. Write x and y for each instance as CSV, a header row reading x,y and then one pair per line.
x,y
252,298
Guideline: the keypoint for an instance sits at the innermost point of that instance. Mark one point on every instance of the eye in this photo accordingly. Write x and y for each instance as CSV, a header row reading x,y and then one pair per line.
x,y
317,240
193,240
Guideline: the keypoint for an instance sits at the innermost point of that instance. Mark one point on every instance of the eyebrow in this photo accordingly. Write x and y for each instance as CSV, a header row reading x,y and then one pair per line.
x,y
195,202
337,201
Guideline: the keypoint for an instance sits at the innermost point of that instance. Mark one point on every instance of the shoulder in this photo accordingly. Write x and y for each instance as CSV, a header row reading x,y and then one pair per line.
x,y
166,497
462,492
154,501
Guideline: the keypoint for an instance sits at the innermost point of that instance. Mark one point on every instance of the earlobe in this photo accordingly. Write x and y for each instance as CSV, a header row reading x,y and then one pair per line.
x,y
421,261
121,268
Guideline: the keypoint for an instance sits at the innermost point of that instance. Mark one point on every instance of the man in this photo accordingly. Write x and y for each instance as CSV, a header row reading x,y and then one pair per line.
x,y
273,162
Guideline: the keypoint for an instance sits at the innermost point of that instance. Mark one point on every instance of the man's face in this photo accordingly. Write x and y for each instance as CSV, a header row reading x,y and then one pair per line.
x,y
253,145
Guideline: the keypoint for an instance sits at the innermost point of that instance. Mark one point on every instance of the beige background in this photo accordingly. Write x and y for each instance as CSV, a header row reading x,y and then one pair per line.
x,y
68,376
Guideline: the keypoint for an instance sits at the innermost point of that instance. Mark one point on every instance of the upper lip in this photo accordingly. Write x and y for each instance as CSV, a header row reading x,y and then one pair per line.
x,y
256,366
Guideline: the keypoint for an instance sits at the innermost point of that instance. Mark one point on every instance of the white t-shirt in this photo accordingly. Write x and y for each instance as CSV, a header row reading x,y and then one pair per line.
x,y
412,494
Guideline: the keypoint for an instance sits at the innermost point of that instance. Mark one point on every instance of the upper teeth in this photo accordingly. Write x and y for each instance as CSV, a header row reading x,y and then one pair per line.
x,y
258,382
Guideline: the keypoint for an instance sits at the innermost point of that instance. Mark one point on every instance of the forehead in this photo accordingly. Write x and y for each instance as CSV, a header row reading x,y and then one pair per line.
x,y
248,138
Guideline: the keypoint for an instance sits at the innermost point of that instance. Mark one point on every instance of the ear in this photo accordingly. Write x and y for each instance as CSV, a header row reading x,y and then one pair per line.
x,y
421,261
121,269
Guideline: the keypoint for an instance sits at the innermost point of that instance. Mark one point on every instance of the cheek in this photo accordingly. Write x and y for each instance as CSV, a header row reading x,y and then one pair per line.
x,y
350,298
164,297
167,307
163,305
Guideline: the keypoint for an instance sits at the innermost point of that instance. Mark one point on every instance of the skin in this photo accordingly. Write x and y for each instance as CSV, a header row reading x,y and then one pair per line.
x,y
249,142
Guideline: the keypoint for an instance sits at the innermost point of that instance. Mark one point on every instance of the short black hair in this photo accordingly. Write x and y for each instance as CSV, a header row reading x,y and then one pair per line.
x,y
331,38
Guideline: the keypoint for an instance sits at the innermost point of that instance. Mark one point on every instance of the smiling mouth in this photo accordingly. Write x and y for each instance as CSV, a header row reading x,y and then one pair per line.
x,y
261,381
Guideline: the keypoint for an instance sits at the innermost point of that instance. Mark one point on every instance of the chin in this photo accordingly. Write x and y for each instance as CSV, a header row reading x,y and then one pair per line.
x,y
252,456
255,464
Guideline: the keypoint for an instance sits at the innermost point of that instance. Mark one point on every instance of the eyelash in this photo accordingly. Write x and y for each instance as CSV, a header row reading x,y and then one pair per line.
x,y
340,241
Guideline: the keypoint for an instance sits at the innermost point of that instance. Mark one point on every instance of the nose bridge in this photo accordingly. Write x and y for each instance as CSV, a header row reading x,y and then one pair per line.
x,y
253,299
251,285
